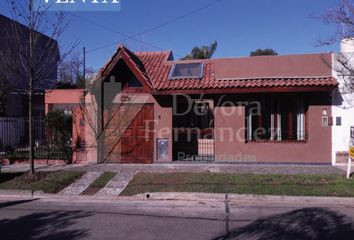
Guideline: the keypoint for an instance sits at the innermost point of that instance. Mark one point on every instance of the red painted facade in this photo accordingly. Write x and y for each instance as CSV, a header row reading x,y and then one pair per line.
x,y
223,81
70,100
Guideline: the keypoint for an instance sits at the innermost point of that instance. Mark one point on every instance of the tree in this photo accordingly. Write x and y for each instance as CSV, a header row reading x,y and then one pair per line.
x,y
263,52
203,52
60,122
71,72
342,17
37,54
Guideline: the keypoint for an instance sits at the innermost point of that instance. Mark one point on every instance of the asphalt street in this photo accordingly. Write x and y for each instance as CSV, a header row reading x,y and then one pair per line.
x,y
146,219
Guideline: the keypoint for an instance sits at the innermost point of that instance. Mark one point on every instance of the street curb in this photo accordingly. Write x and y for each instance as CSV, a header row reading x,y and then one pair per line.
x,y
24,194
233,199
240,198
181,196
293,199
28,194
16,193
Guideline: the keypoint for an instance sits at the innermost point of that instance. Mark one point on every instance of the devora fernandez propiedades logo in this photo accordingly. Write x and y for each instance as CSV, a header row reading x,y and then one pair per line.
x,y
78,5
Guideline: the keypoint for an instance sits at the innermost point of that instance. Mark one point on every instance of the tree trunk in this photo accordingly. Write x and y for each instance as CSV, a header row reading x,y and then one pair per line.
x,y
30,90
30,127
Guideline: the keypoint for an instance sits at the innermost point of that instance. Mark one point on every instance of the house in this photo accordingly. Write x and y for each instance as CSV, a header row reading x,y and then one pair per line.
x,y
14,50
146,107
343,102
13,78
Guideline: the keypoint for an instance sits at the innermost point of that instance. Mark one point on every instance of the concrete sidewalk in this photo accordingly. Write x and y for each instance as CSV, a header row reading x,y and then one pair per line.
x,y
218,168
40,167
232,199
188,167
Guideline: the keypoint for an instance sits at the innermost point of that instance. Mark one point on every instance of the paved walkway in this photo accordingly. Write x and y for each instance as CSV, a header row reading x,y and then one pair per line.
x,y
40,167
217,168
116,185
81,184
189,167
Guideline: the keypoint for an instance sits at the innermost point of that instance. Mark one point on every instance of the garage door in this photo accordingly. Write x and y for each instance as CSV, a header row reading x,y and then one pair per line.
x,y
129,134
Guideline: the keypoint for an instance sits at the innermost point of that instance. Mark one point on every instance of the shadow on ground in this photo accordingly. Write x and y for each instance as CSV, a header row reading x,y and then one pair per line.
x,y
13,203
44,225
4,177
304,224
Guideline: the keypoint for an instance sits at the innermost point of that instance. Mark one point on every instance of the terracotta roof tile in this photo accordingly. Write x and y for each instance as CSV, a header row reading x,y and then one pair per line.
x,y
263,72
158,68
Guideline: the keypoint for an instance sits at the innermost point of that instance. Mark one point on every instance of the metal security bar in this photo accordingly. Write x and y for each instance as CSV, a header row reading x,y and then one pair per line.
x,y
191,145
14,140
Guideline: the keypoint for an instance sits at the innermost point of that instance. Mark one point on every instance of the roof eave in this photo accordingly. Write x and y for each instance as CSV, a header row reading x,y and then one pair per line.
x,y
305,89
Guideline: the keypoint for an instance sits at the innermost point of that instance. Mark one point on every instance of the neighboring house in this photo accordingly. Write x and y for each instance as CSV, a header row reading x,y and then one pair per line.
x,y
14,80
145,107
13,44
343,102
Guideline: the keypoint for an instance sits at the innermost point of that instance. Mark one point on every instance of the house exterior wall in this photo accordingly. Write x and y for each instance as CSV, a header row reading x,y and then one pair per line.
x,y
16,105
91,125
230,144
342,107
62,97
78,137
162,123
162,118
16,56
70,100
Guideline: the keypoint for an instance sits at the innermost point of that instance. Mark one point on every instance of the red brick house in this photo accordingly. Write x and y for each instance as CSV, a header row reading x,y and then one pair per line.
x,y
145,107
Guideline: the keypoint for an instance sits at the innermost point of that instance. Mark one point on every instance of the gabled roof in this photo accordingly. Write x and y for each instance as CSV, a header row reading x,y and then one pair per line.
x,y
247,74
132,61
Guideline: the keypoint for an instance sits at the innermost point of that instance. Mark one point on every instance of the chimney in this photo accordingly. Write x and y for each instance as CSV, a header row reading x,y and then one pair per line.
x,y
347,45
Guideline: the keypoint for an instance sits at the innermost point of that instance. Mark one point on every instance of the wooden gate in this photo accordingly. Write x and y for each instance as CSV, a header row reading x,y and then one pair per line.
x,y
129,134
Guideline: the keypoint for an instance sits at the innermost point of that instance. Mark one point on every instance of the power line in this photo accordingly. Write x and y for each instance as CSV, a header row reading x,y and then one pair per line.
x,y
115,31
158,26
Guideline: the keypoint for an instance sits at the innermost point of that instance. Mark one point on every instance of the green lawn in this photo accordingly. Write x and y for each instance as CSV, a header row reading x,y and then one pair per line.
x,y
99,183
48,182
270,184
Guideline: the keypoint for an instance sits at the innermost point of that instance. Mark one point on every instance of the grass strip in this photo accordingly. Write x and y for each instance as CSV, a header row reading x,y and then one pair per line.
x,y
48,182
269,184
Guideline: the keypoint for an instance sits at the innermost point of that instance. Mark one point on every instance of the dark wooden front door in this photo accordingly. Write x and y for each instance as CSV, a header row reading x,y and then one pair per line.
x,y
129,134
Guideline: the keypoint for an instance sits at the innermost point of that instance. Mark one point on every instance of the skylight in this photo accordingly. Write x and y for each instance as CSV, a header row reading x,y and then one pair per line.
x,y
186,70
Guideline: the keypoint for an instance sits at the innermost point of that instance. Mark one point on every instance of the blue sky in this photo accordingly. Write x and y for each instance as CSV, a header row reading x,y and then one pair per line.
x,y
238,26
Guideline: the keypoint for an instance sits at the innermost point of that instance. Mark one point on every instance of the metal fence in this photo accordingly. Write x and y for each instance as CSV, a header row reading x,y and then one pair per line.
x,y
14,140
193,145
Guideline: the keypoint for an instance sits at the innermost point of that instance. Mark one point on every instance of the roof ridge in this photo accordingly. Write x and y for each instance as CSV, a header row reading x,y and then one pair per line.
x,y
275,56
152,52
275,77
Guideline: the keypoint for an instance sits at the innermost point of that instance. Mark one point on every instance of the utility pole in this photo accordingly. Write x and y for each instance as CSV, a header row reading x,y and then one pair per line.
x,y
84,68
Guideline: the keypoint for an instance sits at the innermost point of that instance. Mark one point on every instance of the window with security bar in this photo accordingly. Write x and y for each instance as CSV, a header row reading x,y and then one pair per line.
x,y
276,119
